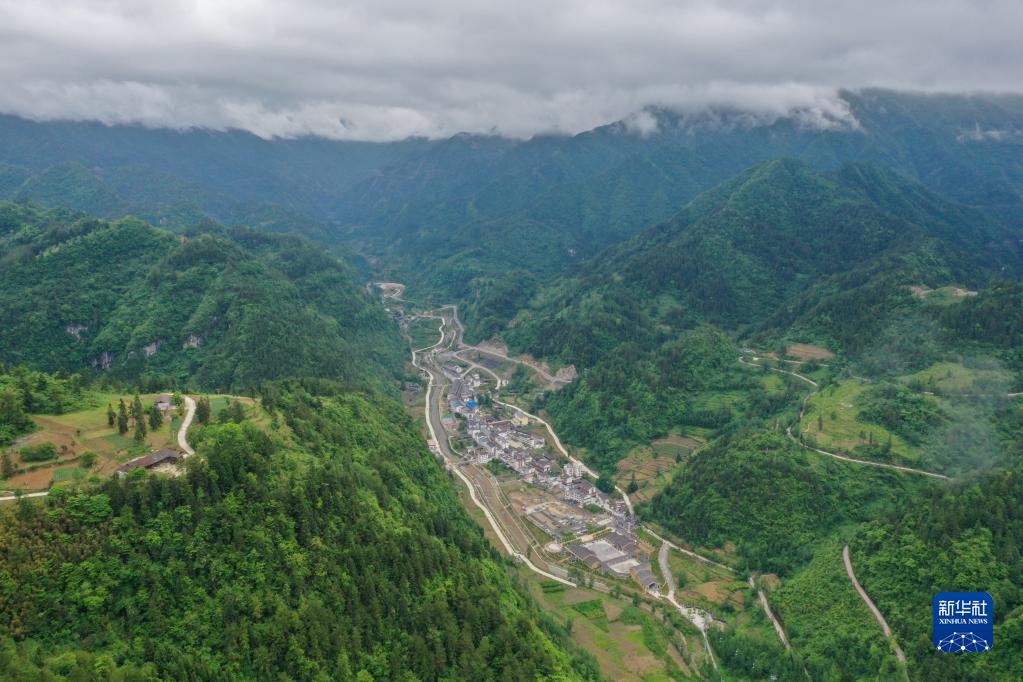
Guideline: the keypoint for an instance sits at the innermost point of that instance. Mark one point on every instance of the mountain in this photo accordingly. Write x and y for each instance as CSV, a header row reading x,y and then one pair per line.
x,y
449,215
330,547
313,537
739,253
214,310
780,253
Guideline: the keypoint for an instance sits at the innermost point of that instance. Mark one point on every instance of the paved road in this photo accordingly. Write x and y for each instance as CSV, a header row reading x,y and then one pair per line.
x,y
873,608
846,458
697,617
493,352
11,498
780,371
433,423
762,598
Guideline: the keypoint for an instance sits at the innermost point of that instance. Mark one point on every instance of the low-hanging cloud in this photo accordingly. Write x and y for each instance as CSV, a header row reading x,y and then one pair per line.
x,y
386,69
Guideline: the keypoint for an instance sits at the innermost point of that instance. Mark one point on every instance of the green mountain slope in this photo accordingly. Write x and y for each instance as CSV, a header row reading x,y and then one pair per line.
x,y
145,193
741,252
445,212
214,310
333,549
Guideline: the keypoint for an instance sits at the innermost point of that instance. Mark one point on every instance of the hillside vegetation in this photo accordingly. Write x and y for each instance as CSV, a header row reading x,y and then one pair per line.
x,y
217,310
338,551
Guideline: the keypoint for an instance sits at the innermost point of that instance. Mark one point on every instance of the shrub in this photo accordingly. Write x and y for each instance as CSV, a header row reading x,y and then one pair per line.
x,y
38,453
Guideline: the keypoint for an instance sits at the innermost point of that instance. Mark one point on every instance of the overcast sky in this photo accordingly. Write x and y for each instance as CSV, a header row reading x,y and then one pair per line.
x,y
383,69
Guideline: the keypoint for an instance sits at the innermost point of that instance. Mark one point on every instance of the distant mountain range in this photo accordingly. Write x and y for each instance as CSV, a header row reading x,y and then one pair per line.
x,y
469,206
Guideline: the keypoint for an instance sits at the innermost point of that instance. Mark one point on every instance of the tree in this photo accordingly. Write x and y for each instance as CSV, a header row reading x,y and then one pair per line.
x,y
236,411
87,459
122,418
155,417
202,410
633,486
140,430
179,403
6,466
605,484
11,410
137,413
111,415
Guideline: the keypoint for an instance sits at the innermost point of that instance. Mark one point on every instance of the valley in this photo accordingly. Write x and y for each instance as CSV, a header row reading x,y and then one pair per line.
x,y
545,547
729,398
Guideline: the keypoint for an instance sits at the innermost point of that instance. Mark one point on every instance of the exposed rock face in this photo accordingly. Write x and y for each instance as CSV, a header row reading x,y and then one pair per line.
x,y
193,341
567,373
150,350
104,360
76,330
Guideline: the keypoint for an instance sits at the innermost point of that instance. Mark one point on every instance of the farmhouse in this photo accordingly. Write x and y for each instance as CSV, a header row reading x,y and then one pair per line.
x,y
159,459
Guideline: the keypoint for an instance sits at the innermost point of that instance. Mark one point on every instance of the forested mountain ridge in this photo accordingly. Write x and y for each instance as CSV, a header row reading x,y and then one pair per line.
x,y
331,546
442,213
151,195
217,310
739,253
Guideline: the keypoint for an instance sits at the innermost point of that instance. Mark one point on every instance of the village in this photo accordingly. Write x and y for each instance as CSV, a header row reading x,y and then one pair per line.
x,y
584,523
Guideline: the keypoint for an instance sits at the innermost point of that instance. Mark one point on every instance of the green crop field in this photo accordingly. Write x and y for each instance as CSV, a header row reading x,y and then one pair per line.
x,y
839,428
629,643
953,379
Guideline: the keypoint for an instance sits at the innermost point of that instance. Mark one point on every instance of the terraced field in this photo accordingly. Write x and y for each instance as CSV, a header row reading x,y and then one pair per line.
x,y
629,642
76,433
831,421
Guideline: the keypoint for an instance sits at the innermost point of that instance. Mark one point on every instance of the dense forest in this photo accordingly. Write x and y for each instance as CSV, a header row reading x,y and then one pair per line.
x,y
333,547
740,253
950,539
24,392
774,501
215,309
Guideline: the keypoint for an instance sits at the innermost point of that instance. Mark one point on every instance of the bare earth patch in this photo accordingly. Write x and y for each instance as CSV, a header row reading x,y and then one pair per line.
x,y
806,351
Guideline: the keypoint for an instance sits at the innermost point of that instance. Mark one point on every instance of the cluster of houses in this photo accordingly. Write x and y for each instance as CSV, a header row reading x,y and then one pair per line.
x,y
616,553
522,451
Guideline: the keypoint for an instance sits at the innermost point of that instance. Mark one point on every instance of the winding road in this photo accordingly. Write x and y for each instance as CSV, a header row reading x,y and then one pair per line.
x,y
435,376
696,616
835,455
899,654
185,424
433,424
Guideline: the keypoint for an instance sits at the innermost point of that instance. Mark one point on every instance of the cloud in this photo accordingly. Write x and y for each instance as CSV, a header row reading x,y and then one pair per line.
x,y
385,69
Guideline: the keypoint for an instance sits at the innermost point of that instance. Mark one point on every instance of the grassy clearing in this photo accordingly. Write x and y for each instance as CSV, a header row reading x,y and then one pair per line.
x,y
831,421
773,383
79,432
424,332
716,400
955,379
